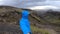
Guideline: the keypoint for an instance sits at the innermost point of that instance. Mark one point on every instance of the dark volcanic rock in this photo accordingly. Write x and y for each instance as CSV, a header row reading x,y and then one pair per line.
x,y
9,18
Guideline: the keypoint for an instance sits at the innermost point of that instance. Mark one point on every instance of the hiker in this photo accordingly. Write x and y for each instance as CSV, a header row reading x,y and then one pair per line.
x,y
24,22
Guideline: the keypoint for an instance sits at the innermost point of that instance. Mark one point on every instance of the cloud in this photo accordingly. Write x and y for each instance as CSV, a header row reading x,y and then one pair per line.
x,y
30,3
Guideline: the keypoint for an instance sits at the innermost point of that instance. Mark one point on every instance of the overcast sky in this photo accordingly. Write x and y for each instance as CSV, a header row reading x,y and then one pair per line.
x,y
31,3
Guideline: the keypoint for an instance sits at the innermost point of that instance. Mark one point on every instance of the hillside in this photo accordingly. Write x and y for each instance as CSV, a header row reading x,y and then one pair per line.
x,y
9,22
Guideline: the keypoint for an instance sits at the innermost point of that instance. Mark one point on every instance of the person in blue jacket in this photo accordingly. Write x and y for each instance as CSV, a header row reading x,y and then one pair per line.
x,y
25,23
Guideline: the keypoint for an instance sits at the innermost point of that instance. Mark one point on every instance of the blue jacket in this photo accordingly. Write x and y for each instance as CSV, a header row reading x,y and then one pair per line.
x,y
24,22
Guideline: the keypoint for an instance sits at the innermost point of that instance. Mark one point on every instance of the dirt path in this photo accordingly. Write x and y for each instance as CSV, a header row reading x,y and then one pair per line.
x,y
10,29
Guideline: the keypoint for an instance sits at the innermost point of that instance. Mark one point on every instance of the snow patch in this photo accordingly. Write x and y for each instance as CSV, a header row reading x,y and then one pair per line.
x,y
42,7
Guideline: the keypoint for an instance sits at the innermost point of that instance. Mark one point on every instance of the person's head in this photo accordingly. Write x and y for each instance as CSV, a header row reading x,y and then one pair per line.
x,y
25,13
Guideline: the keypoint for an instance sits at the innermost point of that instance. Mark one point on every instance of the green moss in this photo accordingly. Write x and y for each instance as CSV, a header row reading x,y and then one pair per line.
x,y
39,30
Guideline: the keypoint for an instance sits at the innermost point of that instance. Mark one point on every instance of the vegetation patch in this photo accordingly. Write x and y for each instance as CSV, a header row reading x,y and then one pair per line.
x,y
39,30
